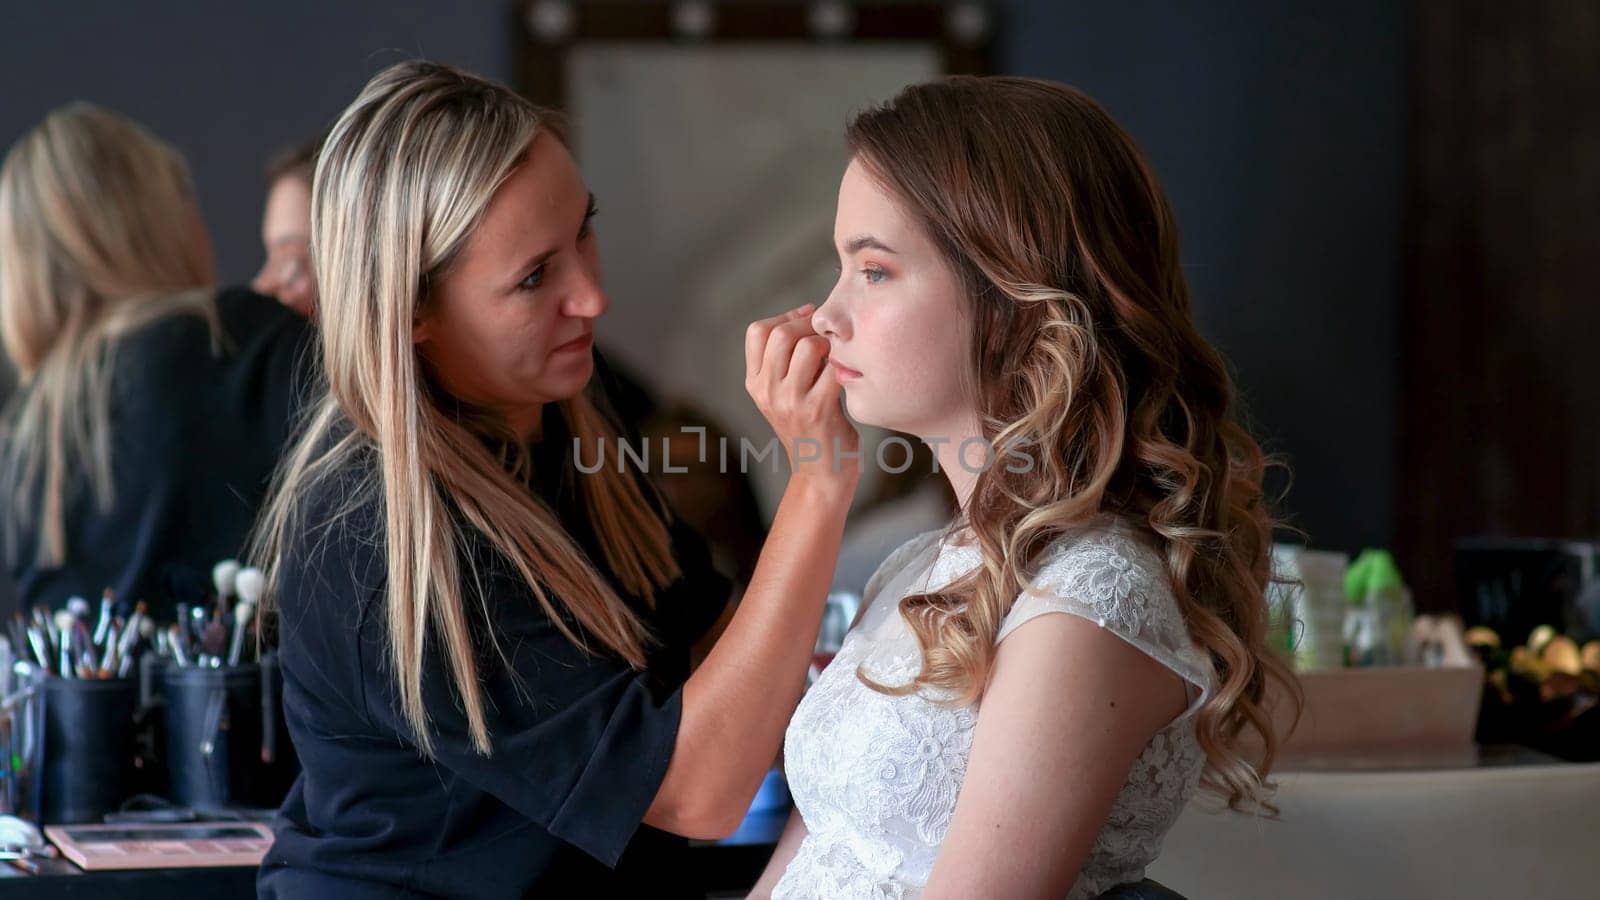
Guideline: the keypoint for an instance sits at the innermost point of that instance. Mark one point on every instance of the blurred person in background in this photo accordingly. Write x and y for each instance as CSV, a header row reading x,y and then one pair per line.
x,y
151,407
286,231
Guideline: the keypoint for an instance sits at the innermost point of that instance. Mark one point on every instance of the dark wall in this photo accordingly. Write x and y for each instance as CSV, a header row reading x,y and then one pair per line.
x,y
1280,136
1501,385
230,84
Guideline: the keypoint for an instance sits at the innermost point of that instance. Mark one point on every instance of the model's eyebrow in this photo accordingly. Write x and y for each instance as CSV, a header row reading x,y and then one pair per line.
x,y
863,242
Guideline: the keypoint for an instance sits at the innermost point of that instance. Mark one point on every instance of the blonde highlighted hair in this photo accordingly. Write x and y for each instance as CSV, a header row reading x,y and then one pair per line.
x,y
99,235
401,182
1085,359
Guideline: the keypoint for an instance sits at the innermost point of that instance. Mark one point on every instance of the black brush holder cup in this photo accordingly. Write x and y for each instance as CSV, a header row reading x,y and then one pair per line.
x,y
226,743
89,747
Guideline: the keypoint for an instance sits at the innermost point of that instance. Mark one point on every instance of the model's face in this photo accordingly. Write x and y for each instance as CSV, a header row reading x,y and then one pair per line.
x,y
897,320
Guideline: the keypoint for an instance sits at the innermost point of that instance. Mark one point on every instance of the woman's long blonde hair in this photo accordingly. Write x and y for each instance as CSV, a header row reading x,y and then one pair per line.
x,y
1086,360
401,182
99,235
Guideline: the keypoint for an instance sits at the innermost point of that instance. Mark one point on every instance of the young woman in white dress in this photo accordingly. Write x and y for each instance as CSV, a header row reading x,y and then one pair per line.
x,y
1011,292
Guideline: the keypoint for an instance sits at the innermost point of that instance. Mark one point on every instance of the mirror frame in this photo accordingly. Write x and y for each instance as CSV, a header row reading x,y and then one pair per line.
x,y
547,30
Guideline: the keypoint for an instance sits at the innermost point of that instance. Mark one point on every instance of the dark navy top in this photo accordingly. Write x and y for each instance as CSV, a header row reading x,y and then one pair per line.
x,y
581,741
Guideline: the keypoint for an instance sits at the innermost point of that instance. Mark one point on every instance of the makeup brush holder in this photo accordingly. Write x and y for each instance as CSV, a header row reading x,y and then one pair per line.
x,y
225,735
88,747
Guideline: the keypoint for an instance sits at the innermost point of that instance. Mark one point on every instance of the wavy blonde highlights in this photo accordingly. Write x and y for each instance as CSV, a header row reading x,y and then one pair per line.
x,y
401,182
1086,360
100,235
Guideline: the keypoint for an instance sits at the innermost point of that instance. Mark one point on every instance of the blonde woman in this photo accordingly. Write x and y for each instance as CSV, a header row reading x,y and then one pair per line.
x,y
484,645
1030,696
152,409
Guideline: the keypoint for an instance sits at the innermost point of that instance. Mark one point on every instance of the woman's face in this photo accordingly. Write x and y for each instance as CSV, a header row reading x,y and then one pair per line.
x,y
896,321
510,324
286,239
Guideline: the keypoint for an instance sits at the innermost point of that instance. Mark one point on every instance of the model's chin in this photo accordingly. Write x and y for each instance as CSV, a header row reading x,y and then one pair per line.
x,y
865,408
860,407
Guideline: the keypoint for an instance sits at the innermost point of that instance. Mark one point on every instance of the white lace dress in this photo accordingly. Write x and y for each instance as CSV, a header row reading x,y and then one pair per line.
x,y
876,777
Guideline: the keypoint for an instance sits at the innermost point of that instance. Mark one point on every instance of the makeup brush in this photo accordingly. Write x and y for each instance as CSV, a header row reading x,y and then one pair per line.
x,y
104,623
108,660
251,584
83,647
214,643
223,576
19,635
46,623
64,665
64,624
41,650
79,608
241,623
147,633
133,630
175,641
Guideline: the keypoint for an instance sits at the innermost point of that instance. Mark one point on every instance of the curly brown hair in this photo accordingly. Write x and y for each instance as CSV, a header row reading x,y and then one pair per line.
x,y
1086,358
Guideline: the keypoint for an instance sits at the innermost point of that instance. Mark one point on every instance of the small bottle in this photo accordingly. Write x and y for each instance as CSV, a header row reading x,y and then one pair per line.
x,y
1380,611
1317,609
1280,599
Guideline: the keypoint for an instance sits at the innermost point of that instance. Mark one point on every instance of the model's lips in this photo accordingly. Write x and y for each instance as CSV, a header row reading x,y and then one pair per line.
x,y
581,342
842,371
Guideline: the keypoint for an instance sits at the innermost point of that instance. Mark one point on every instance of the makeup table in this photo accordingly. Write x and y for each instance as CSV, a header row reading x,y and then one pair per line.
x,y
726,868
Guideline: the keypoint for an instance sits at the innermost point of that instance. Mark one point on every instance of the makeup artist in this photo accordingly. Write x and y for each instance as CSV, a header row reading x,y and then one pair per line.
x,y
485,649
152,408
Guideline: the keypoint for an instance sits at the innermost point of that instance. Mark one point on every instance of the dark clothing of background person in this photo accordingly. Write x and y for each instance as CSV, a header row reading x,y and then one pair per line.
x,y
196,432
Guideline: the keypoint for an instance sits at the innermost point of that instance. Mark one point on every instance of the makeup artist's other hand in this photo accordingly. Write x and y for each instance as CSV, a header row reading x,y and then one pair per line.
x,y
787,375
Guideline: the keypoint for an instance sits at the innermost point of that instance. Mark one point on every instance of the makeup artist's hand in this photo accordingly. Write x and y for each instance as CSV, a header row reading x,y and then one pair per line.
x,y
751,680
787,375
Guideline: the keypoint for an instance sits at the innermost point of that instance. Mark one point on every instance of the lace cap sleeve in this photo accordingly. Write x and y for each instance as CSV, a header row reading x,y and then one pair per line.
x,y
892,565
1113,580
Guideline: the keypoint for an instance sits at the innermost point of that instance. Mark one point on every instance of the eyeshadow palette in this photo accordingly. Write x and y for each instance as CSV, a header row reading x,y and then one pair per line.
x,y
162,846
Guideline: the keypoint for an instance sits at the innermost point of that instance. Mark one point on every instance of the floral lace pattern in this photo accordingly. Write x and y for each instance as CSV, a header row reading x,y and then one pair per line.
x,y
876,777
